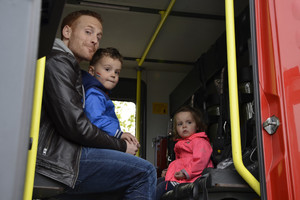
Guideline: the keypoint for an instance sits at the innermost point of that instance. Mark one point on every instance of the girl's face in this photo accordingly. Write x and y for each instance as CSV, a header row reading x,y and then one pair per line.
x,y
185,124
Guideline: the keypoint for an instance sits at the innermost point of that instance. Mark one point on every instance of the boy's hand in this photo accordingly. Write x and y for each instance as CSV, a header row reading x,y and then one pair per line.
x,y
130,139
131,148
179,175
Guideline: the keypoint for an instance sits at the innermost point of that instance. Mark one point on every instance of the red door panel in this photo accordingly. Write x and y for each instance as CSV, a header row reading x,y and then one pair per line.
x,y
278,53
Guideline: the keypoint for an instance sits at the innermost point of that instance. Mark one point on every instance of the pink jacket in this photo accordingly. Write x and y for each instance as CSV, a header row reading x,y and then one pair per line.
x,y
192,156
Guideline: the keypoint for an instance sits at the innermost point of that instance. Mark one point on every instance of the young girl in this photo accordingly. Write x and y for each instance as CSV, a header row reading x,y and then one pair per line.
x,y
193,150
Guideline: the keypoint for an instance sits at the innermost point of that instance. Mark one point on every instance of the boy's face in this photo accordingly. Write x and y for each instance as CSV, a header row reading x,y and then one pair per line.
x,y
83,37
107,71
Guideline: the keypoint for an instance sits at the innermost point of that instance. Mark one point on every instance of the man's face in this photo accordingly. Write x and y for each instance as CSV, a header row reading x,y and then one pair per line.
x,y
83,37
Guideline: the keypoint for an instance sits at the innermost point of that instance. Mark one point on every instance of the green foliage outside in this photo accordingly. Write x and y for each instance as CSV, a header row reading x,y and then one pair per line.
x,y
125,112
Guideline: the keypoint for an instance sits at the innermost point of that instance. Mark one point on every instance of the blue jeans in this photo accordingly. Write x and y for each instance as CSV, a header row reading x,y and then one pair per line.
x,y
104,170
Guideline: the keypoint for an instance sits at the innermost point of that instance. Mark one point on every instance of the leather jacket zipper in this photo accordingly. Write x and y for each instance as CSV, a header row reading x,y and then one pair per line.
x,y
45,149
77,164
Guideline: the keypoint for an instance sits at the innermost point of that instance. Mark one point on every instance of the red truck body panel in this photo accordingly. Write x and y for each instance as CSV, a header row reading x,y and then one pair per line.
x,y
278,54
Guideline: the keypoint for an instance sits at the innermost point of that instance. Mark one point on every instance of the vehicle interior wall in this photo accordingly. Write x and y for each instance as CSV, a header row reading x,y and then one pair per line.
x,y
159,86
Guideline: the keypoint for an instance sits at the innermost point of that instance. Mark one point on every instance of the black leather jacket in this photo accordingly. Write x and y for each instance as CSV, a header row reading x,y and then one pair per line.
x,y
64,128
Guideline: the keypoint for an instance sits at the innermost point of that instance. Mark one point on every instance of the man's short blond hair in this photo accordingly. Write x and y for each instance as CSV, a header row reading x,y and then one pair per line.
x,y
73,16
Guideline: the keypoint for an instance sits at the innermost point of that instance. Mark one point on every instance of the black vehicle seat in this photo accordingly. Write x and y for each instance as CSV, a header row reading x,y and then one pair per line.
x,y
46,188
215,184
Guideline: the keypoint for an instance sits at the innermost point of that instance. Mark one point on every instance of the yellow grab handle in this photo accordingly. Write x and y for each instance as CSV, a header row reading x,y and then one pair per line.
x,y
35,127
233,101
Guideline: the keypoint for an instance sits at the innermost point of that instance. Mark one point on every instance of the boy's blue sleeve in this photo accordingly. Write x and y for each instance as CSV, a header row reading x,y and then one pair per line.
x,y
101,112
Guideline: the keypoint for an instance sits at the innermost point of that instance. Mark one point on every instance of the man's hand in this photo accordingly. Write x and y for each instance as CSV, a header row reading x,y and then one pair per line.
x,y
131,148
130,139
179,175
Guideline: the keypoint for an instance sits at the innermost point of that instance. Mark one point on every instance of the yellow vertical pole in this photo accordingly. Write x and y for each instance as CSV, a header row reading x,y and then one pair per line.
x,y
233,101
138,106
35,127
164,15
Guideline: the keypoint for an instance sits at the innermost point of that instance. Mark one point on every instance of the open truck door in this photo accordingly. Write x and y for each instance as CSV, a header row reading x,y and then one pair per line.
x,y
277,29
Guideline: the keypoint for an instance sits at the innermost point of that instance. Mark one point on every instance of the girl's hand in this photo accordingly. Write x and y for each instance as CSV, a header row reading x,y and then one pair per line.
x,y
163,173
179,175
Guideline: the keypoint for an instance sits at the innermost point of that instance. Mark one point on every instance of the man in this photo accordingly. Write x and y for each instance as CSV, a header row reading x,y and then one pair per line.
x,y
72,150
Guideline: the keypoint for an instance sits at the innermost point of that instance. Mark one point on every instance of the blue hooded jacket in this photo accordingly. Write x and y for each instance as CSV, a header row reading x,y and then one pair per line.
x,y
98,106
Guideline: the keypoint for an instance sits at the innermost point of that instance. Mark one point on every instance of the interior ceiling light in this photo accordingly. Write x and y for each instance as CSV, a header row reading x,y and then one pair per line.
x,y
102,5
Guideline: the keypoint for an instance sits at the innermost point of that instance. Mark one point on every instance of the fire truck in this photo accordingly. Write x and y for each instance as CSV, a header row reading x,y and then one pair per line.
x,y
238,62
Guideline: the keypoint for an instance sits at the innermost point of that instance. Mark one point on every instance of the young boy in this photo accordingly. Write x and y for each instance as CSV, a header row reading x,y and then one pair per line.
x,y
103,75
